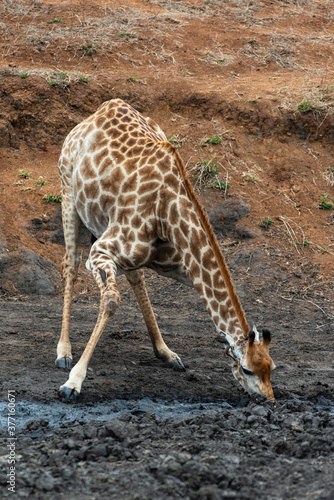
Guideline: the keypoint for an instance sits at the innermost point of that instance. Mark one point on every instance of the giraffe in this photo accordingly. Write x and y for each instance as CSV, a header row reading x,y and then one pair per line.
x,y
127,184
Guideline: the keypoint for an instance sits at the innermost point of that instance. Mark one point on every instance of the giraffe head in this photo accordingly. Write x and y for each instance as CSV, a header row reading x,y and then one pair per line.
x,y
252,364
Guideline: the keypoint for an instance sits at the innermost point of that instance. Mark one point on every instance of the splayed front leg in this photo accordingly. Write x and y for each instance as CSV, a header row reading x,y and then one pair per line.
x,y
137,282
109,303
104,271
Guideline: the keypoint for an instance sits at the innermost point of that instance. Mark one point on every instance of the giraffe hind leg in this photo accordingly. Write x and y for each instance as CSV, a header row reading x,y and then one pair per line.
x,y
104,271
71,225
137,282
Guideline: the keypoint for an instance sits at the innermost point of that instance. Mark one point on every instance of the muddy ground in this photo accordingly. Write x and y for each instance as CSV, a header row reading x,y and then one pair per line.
x,y
259,76
245,449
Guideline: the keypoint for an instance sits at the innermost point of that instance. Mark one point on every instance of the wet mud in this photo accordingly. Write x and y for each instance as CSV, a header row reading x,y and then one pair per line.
x,y
143,431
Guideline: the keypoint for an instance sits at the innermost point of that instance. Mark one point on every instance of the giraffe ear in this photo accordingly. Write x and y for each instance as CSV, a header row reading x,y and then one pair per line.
x,y
266,336
251,337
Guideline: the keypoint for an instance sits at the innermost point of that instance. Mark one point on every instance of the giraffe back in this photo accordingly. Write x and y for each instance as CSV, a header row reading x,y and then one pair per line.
x,y
112,165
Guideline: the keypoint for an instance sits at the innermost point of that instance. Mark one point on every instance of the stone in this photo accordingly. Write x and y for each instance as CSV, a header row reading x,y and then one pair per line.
x,y
30,273
224,218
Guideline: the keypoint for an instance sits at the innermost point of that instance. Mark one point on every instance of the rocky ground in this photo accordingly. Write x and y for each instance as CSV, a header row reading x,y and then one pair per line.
x,y
235,447
258,76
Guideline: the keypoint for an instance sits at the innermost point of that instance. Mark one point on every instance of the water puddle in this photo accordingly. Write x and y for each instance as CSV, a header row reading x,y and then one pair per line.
x,y
57,412
320,403
324,404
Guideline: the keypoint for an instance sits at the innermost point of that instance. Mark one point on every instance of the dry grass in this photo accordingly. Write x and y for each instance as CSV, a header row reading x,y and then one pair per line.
x,y
297,237
153,31
218,58
61,78
17,7
210,174
320,98
115,28
278,50
329,176
316,99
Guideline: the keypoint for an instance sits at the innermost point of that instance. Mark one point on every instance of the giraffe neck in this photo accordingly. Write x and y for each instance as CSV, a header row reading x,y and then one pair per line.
x,y
206,265
218,298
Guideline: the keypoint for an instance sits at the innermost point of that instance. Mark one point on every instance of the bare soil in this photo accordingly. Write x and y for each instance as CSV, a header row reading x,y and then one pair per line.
x,y
259,76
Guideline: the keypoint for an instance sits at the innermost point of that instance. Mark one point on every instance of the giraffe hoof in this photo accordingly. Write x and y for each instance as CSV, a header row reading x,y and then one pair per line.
x,y
177,365
67,393
64,362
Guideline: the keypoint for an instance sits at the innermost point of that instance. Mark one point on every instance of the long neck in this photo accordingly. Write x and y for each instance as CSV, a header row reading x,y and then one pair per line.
x,y
205,263
218,296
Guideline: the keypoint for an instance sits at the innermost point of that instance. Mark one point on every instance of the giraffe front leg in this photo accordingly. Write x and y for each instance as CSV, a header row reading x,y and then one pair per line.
x,y
137,282
104,272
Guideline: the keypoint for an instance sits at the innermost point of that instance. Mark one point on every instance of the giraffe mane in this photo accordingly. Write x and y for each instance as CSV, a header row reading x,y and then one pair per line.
x,y
212,238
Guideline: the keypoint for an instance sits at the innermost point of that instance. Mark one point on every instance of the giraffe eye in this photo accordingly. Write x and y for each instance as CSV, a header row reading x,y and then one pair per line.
x,y
247,372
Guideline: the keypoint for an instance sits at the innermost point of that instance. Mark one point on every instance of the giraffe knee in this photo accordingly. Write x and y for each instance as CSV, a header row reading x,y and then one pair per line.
x,y
110,301
69,271
70,266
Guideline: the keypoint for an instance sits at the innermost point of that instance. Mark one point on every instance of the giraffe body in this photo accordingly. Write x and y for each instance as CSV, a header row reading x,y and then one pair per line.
x,y
124,181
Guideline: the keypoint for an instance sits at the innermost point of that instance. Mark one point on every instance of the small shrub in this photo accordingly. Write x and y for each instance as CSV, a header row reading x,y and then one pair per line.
x,y
208,175
324,204
305,243
56,20
24,75
84,79
306,105
24,175
251,41
50,198
208,167
250,178
214,140
132,79
267,222
211,169
221,185
40,182
89,49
